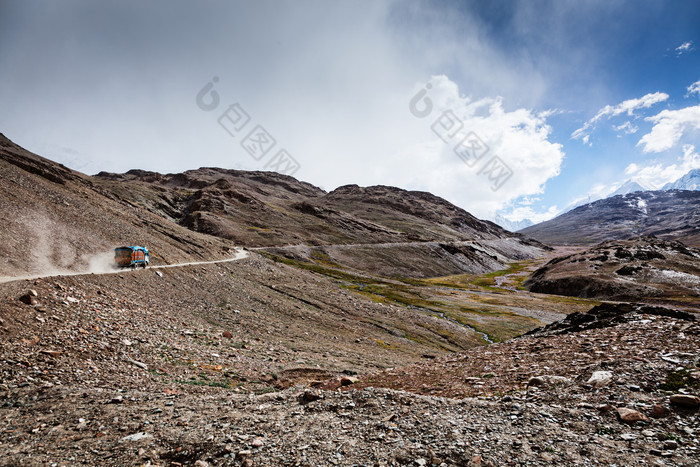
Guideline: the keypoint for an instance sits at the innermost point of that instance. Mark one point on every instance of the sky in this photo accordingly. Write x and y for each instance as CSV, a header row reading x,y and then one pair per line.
x,y
513,108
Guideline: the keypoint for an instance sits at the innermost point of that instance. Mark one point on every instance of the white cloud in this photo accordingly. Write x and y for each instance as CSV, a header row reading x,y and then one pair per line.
x,y
628,128
694,89
526,212
684,48
519,138
657,174
628,107
669,127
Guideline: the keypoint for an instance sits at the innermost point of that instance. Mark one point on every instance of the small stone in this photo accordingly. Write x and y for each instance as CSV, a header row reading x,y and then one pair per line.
x,y
135,437
257,442
28,299
648,433
310,395
159,274
348,380
117,400
628,436
670,444
605,408
421,462
630,415
535,381
244,454
600,378
139,364
659,411
685,400
227,334
201,463
33,293
655,452
52,353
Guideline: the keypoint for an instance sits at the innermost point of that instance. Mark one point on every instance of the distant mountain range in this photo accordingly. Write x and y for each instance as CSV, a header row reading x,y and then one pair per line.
x,y
513,226
599,226
689,181
673,214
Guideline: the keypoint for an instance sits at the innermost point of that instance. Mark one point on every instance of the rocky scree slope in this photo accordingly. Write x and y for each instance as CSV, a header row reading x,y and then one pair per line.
x,y
625,392
642,268
672,215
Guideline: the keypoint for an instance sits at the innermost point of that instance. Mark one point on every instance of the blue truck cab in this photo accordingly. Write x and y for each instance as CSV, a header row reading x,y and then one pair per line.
x,y
131,256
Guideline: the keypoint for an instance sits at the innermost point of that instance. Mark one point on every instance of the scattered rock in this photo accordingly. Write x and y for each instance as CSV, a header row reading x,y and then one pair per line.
x,y
138,364
348,380
685,400
628,415
600,378
257,442
135,437
548,380
227,334
659,411
29,298
670,444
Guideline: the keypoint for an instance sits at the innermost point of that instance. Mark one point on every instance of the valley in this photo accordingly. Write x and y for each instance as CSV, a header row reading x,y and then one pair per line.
x,y
279,324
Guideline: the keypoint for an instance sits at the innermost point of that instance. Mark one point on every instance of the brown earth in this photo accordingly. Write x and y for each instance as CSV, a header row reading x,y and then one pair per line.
x,y
648,268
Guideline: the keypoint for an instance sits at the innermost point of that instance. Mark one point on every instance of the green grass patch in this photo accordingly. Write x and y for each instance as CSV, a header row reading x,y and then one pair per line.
x,y
678,379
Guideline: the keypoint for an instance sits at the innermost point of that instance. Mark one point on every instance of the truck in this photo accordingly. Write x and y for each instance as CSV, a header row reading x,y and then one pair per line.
x,y
131,256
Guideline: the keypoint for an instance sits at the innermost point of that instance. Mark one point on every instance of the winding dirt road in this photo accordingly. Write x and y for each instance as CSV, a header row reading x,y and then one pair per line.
x,y
240,254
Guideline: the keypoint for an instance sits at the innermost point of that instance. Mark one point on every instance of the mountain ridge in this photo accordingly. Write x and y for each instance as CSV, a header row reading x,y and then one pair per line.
x,y
673,215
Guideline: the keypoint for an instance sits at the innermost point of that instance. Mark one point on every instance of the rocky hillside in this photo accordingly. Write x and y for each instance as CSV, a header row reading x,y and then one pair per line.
x,y
671,214
382,230
56,219
249,357
644,267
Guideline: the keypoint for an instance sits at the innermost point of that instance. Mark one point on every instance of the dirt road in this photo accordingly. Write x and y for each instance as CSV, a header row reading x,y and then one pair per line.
x,y
240,254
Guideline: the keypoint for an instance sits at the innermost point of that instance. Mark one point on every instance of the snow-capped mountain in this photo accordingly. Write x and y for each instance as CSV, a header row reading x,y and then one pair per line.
x,y
628,187
513,226
689,181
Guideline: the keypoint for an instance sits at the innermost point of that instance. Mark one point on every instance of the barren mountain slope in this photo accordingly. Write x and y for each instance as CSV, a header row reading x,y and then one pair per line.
x,y
642,268
138,369
58,219
673,215
382,230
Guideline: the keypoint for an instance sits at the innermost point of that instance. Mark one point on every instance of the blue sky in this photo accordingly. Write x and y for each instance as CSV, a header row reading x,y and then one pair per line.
x,y
566,99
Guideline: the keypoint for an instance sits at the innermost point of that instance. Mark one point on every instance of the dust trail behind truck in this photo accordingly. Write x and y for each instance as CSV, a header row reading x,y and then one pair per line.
x,y
131,256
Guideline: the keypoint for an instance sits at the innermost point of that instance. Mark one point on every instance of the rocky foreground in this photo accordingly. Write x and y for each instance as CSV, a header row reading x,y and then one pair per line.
x,y
619,387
